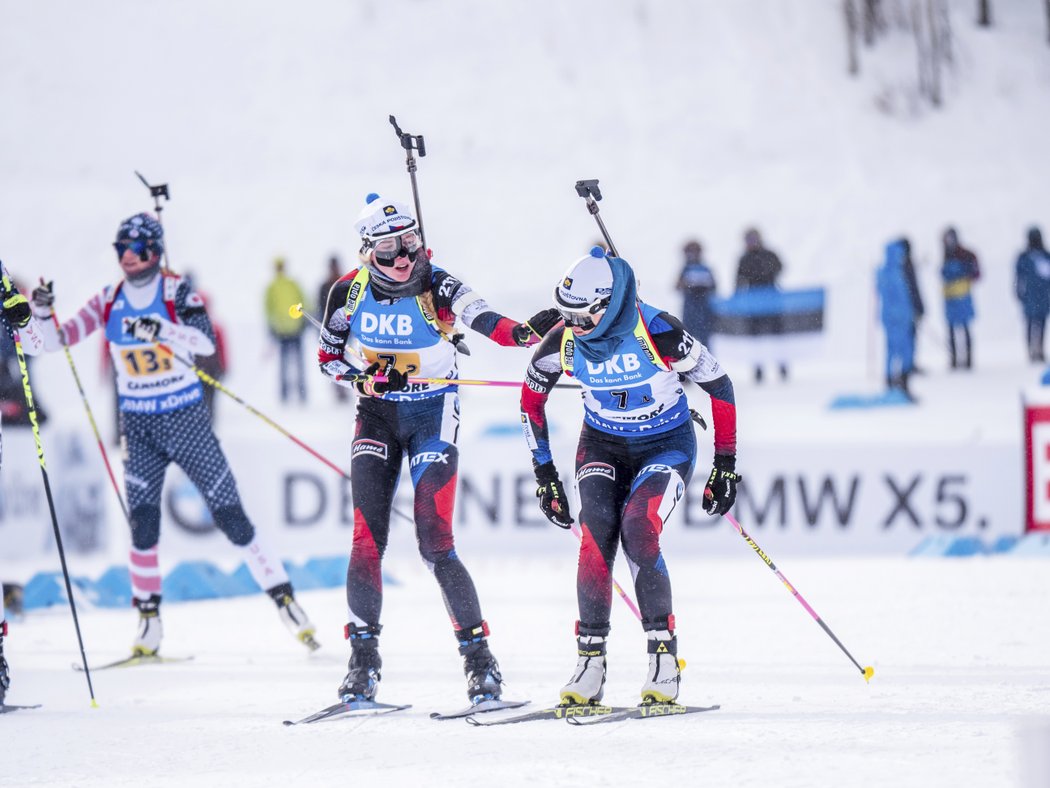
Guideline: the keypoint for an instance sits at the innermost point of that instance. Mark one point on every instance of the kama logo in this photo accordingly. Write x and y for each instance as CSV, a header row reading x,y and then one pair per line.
x,y
366,446
599,468
389,210
567,283
429,456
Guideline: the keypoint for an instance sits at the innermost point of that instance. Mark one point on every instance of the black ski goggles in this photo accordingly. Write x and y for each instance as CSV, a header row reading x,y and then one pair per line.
x,y
141,248
388,250
582,317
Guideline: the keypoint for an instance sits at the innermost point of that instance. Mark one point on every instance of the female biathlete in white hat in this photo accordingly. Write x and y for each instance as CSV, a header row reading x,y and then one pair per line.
x,y
635,456
400,310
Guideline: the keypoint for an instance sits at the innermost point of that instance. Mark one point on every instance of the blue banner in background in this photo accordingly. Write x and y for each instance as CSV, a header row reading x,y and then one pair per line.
x,y
768,311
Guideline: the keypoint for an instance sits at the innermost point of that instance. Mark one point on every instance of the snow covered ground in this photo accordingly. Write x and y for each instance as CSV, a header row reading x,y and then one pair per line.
x,y
959,650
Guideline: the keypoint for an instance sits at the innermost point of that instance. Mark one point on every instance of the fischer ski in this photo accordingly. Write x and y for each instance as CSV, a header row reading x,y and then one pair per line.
x,y
479,708
643,712
133,660
356,708
4,708
560,712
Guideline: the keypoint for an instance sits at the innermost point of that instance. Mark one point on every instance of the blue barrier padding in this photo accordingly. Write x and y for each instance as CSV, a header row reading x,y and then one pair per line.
x,y
189,580
43,590
113,588
198,580
303,579
932,546
242,583
1034,545
769,301
330,572
890,397
1004,544
965,546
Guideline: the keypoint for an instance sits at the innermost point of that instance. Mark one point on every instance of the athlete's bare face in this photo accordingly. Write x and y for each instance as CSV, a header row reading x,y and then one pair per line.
x,y
131,264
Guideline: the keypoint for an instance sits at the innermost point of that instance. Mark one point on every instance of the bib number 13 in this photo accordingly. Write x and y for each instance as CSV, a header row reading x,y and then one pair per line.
x,y
140,361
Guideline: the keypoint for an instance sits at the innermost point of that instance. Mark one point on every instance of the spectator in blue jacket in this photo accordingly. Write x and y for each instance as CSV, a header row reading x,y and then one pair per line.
x,y
1033,289
897,312
697,283
959,272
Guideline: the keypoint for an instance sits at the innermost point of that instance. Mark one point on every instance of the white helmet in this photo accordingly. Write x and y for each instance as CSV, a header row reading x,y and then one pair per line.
x,y
384,219
586,287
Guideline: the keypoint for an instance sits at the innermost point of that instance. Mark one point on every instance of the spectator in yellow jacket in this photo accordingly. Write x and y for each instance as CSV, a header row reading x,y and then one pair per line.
x,y
287,331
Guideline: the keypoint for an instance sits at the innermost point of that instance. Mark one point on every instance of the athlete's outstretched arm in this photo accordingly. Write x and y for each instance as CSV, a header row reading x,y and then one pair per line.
x,y
543,372
86,321
453,298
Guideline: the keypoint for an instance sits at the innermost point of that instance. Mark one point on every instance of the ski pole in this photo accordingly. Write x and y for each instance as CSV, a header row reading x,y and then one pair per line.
x,y
411,142
27,391
156,192
206,378
866,672
592,194
296,311
90,415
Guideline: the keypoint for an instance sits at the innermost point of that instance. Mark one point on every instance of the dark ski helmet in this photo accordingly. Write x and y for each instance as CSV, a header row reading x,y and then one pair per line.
x,y
141,233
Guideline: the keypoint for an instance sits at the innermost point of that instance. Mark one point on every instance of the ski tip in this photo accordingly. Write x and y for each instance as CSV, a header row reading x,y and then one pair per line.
x,y
681,663
288,723
869,671
94,703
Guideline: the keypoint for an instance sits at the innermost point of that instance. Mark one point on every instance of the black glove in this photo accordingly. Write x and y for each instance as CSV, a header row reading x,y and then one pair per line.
x,y
539,324
144,329
720,492
16,309
551,492
396,380
43,296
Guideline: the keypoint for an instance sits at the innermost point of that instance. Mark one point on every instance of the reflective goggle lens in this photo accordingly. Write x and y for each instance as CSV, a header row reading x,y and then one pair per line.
x,y
577,319
140,248
389,249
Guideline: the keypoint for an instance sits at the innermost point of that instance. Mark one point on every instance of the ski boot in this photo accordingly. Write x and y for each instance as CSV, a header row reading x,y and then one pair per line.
x,y
147,643
293,615
665,675
587,685
363,670
5,675
484,681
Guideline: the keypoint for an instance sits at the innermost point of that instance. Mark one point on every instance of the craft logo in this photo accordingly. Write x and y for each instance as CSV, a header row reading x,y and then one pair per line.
x,y
365,446
596,468
567,283
389,210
